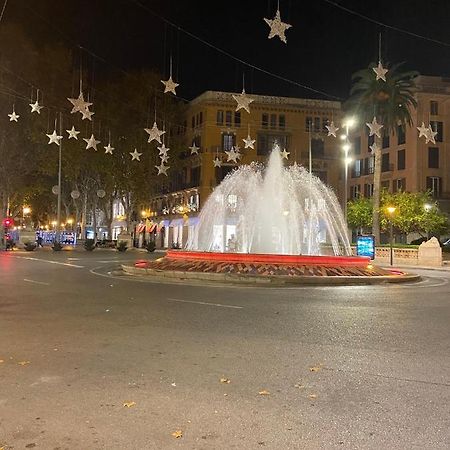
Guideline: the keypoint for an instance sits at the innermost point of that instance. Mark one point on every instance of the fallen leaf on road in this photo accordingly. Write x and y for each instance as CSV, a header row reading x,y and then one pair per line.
x,y
312,396
177,434
174,384
299,386
23,363
225,380
264,392
128,404
316,368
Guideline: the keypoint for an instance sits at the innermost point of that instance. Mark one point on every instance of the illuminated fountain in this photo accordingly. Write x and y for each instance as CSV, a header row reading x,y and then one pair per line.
x,y
277,210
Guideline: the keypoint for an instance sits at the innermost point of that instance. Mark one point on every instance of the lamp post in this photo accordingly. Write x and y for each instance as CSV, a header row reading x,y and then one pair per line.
x,y
348,123
391,210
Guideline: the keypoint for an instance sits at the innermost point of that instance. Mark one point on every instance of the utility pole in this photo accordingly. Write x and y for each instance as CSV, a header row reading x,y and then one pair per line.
x,y
58,216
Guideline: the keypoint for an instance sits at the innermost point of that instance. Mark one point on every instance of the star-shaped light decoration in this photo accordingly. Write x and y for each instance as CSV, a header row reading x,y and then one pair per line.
x,y
86,114
217,162
54,138
165,211
232,155
194,149
374,147
380,71
36,107
79,105
430,137
154,134
163,149
135,155
285,154
277,27
164,158
374,127
243,101
423,130
169,85
13,116
108,149
73,133
91,142
249,142
162,169
332,129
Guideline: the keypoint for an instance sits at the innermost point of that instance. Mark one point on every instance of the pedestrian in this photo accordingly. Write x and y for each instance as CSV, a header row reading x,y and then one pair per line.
x,y
39,241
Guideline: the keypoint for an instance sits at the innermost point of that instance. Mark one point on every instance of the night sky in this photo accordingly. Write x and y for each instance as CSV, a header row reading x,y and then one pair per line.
x,y
324,46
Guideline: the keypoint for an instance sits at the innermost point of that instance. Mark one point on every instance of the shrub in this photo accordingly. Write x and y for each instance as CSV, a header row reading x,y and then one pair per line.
x,y
29,246
57,246
151,246
89,245
122,246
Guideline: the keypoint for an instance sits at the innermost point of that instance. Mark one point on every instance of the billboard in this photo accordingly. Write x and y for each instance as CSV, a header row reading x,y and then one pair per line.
x,y
365,246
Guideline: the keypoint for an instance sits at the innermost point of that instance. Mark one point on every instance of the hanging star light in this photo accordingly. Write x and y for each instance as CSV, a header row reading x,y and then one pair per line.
x,y
217,162
91,142
430,137
169,85
86,114
135,155
422,130
285,154
108,149
194,149
332,129
163,149
380,71
79,105
54,138
164,158
36,107
154,134
374,147
13,116
162,169
249,142
232,155
243,101
73,133
374,127
277,27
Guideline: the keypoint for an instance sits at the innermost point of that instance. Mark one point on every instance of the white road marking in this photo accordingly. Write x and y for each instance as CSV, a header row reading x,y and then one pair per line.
x,y
50,262
204,303
36,282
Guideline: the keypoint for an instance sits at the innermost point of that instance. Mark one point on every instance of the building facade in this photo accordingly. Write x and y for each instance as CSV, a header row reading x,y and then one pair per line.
x,y
408,162
214,126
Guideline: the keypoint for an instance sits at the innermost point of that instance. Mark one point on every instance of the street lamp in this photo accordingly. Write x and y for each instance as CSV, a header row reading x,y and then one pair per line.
x,y
348,123
391,210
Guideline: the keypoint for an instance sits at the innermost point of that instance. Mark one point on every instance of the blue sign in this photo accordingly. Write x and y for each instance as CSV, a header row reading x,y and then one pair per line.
x,y
365,246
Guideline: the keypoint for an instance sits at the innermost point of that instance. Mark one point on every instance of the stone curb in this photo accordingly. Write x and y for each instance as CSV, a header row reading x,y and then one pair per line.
x,y
272,281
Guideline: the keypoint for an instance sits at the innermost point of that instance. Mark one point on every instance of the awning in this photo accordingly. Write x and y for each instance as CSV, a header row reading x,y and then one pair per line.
x,y
176,223
193,221
151,227
140,228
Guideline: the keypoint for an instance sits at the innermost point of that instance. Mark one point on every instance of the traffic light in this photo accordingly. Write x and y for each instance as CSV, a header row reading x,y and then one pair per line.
x,y
7,222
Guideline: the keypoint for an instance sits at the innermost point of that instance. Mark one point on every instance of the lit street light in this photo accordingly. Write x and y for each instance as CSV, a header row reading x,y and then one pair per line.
x,y
391,210
348,123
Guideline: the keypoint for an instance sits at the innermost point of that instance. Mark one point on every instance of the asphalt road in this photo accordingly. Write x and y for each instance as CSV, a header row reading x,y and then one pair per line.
x,y
308,368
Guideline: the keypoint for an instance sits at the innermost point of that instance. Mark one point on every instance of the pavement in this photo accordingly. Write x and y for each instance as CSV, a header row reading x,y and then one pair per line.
x,y
94,359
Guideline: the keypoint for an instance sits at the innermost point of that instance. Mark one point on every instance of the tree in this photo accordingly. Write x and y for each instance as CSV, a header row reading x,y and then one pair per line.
x,y
359,214
390,102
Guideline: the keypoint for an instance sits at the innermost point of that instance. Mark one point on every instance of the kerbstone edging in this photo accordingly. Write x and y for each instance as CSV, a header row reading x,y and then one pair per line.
x,y
275,280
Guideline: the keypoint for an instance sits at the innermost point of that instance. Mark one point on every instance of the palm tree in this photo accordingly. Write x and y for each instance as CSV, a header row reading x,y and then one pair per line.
x,y
391,102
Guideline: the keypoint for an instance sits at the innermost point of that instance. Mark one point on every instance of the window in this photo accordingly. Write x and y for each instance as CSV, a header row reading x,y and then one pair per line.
x,y
228,118
370,165
237,119
266,142
273,121
433,158
385,185
385,140
356,169
222,172
385,166
316,124
281,121
195,176
265,120
399,185
370,141
193,122
401,160
434,184
325,122
368,190
355,191
357,145
317,148
219,118
200,118
438,126
228,141
308,124
401,137
434,108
